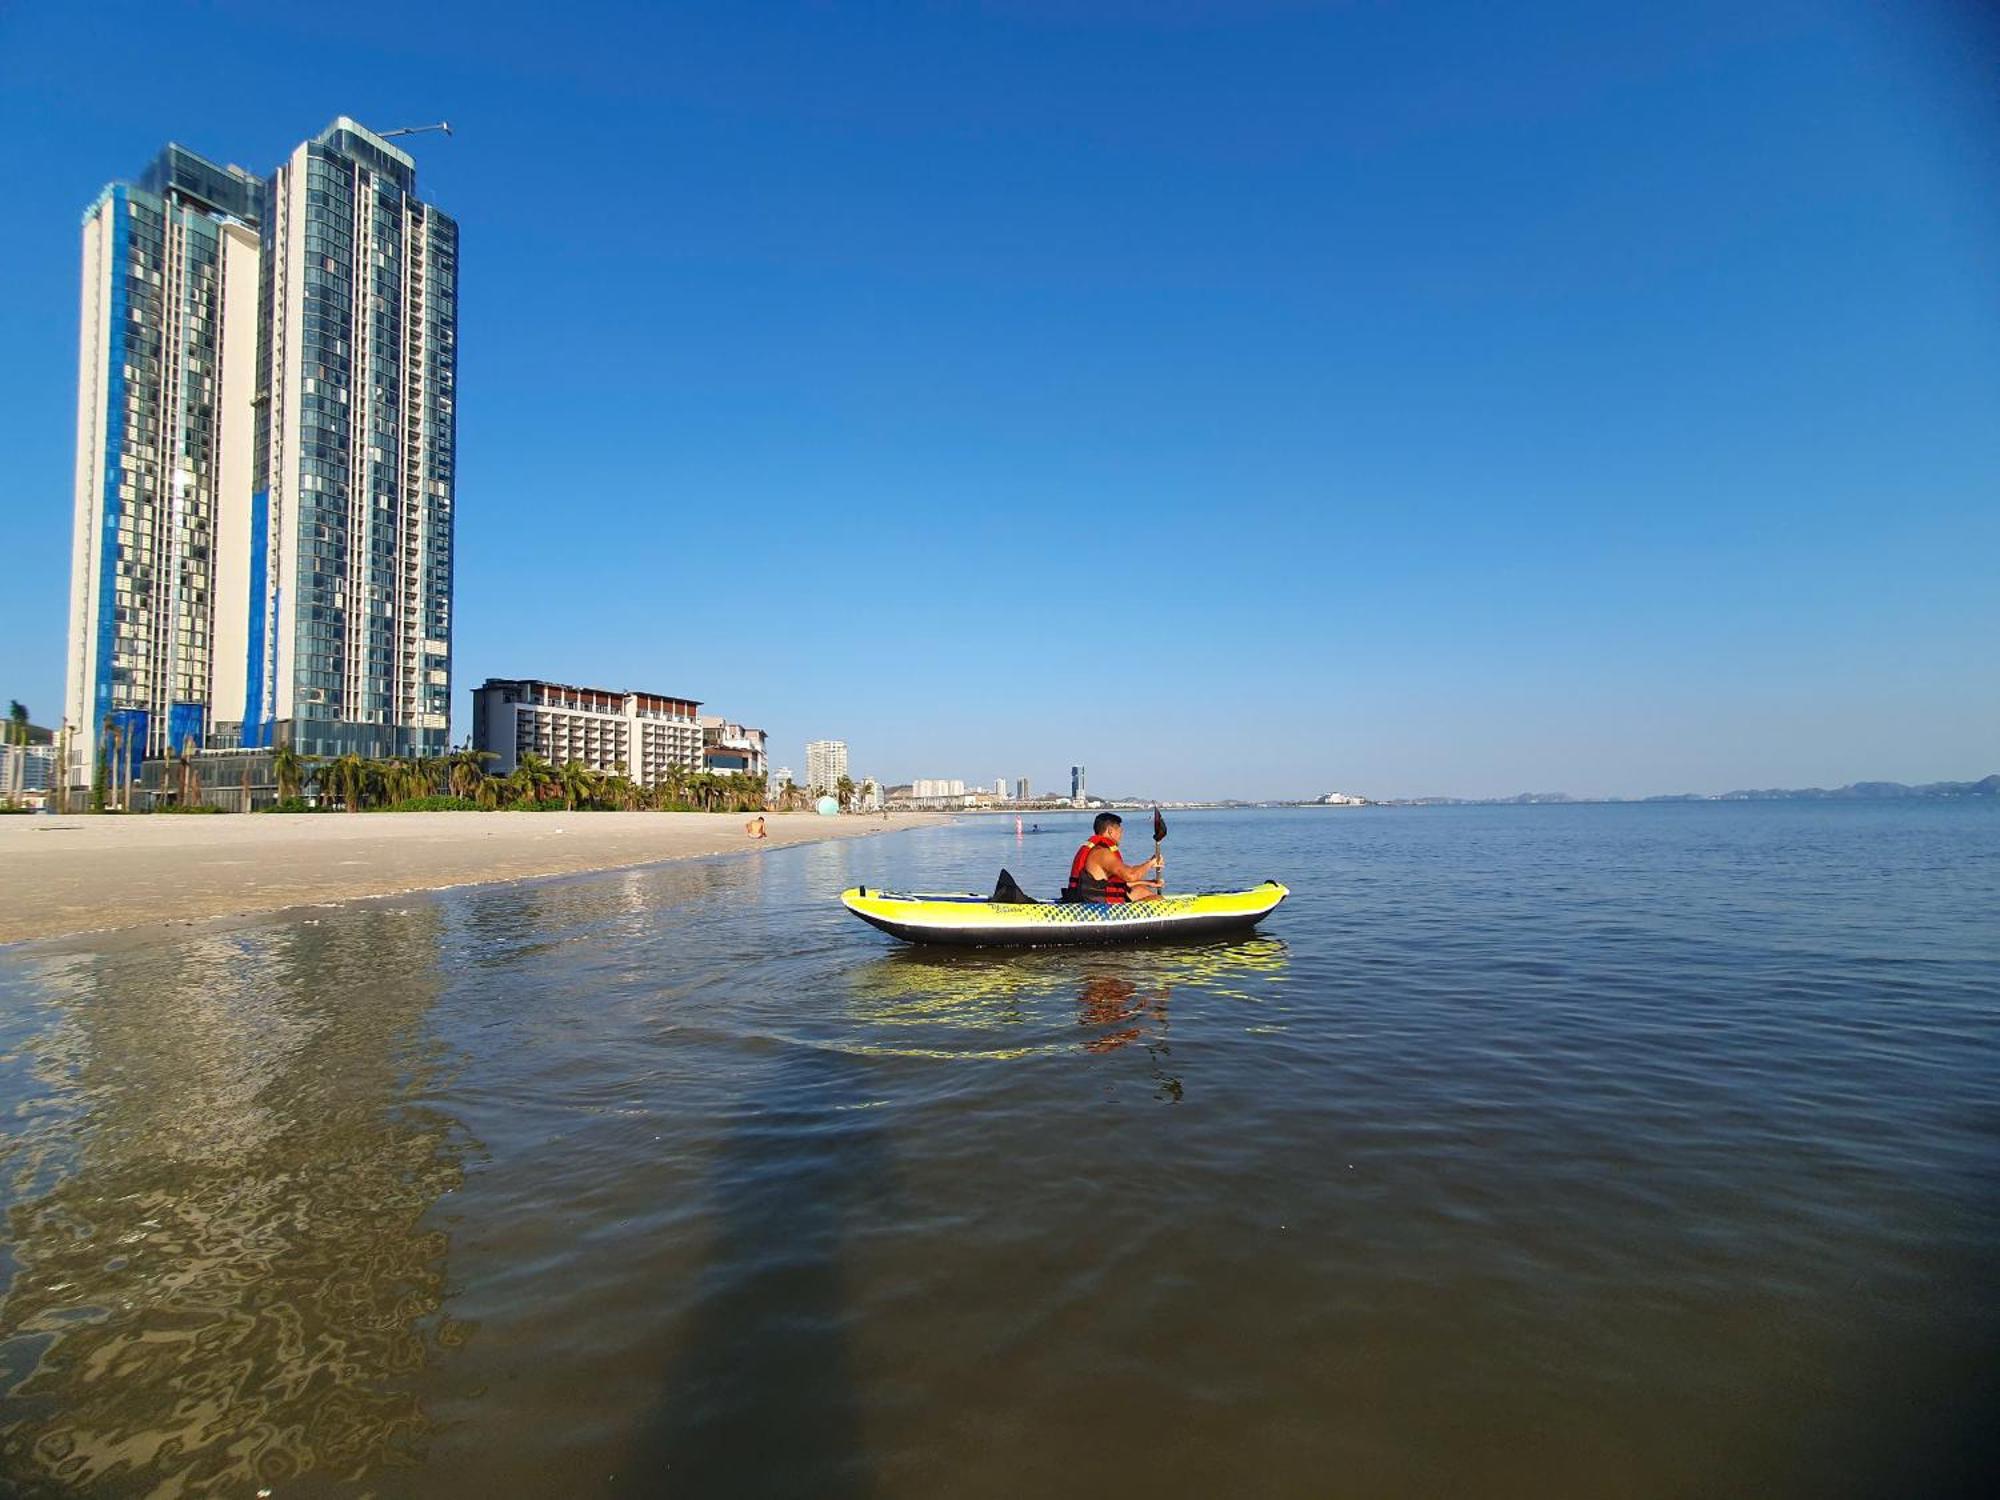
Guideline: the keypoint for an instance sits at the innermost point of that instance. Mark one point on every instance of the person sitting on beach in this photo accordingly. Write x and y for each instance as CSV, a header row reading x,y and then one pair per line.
x,y
755,827
1099,873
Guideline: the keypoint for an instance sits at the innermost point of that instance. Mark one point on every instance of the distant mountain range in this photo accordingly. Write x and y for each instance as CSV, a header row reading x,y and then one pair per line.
x,y
1988,786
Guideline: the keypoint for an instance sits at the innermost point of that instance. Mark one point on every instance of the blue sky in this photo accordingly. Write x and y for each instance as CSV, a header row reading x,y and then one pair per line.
x,y
1239,398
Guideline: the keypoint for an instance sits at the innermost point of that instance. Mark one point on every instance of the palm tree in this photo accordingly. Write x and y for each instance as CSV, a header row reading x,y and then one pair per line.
x,y
348,777
578,784
433,775
616,789
465,770
99,799
621,791
113,737
400,778
534,779
844,790
673,787
289,768
17,722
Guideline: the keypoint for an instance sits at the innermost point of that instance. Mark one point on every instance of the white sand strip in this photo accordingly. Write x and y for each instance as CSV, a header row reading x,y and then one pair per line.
x,y
82,874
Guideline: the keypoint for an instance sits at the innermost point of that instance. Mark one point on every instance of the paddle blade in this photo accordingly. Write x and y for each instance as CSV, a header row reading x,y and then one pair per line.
x,y
1159,826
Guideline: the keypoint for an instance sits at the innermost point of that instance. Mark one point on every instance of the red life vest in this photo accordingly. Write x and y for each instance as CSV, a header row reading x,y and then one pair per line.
x,y
1086,887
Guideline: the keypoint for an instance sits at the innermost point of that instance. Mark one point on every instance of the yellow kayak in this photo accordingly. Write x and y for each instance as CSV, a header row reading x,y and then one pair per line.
x,y
977,922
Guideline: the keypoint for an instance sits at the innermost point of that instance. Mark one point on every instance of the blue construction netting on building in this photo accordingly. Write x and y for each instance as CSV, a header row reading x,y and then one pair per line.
x,y
133,725
185,722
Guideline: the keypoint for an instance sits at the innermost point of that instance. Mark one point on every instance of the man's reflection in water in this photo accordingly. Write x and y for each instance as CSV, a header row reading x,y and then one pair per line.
x,y
971,1003
223,1272
1120,1012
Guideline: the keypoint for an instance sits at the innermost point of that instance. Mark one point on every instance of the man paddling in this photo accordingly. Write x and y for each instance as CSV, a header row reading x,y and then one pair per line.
x,y
1098,873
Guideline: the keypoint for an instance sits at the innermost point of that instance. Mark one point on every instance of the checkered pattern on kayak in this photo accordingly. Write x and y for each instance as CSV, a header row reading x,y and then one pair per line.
x,y
1100,911
1058,913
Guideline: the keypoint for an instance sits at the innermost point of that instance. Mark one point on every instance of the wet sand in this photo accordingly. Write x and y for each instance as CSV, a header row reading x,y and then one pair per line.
x,y
60,876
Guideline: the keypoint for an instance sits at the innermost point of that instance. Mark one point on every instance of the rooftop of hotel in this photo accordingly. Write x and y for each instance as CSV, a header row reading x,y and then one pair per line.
x,y
540,687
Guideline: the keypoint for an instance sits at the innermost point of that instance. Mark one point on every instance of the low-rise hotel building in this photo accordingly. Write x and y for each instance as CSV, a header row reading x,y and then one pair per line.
x,y
640,735
728,748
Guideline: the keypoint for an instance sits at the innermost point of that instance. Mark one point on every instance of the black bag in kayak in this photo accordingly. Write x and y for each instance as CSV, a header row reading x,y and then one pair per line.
x,y
1007,893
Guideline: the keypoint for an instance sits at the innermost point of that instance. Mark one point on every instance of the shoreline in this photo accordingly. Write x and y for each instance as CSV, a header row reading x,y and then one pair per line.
x,y
66,877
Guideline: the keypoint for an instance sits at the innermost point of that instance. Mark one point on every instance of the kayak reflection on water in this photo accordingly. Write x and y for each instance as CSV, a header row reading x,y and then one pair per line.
x,y
993,1004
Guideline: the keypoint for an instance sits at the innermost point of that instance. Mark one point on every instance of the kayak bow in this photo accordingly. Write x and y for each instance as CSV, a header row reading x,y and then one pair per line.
x,y
976,922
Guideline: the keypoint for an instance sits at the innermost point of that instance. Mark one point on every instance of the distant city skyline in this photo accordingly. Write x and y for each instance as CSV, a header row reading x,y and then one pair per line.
x,y
1457,402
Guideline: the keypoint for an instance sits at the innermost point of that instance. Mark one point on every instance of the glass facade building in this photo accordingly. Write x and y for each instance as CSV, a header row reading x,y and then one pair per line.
x,y
163,435
266,458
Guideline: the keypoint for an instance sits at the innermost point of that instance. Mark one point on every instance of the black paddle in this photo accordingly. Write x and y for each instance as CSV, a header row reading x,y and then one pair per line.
x,y
1159,838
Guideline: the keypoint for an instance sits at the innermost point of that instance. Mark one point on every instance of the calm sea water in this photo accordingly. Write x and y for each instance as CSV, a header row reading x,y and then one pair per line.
x,y
1647,1151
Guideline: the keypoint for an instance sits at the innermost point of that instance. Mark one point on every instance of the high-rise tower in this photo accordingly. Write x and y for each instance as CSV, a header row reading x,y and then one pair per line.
x,y
266,458
826,763
349,620
163,451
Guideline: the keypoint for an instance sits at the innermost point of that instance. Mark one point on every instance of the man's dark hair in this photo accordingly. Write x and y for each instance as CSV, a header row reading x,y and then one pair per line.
x,y
1106,820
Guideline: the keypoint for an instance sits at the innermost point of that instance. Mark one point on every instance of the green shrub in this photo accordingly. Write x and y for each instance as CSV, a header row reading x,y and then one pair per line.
x,y
434,803
175,807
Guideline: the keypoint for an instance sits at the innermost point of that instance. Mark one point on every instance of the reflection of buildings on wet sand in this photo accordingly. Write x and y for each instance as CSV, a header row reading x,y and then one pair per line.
x,y
223,1275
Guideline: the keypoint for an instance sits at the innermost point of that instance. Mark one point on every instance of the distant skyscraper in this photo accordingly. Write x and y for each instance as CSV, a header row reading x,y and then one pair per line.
x,y
1021,790
266,433
1078,792
826,763
1000,788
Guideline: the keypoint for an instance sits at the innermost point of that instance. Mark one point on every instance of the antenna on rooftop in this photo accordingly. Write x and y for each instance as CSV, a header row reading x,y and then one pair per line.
x,y
444,125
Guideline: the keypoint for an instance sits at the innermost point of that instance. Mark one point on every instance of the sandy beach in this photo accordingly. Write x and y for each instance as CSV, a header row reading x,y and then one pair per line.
x,y
66,875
